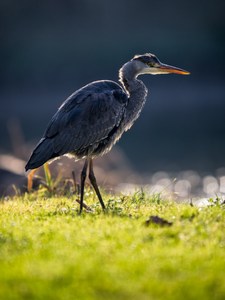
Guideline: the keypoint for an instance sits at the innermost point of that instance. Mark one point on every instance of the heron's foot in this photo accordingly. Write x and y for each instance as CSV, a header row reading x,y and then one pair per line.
x,y
85,206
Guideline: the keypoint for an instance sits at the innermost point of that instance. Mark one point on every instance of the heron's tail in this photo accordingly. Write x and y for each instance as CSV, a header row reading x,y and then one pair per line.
x,y
42,153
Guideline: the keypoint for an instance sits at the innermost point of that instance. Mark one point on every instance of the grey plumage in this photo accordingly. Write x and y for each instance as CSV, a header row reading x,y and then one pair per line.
x,y
84,124
93,118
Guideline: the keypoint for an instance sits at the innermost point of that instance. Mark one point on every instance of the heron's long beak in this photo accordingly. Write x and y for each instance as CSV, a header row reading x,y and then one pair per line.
x,y
163,68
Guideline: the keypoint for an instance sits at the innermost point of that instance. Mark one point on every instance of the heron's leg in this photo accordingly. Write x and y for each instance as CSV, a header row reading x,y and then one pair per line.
x,y
94,183
83,177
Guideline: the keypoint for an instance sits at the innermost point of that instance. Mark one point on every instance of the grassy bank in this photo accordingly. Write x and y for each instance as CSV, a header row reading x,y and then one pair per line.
x,y
48,251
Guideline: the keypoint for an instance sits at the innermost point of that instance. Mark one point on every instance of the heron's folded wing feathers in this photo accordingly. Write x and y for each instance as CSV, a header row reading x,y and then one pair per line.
x,y
85,119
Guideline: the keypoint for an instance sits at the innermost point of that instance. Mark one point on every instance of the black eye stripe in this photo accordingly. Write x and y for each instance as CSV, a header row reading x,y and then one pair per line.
x,y
149,60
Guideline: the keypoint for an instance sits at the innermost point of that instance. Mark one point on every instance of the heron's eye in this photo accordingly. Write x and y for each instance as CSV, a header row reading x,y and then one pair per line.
x,y
151,64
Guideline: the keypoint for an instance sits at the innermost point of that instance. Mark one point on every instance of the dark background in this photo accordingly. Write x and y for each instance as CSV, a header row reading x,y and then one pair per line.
x,y
51,48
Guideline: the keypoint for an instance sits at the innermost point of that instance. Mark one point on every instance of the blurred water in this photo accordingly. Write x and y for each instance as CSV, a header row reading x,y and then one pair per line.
x,y
189,186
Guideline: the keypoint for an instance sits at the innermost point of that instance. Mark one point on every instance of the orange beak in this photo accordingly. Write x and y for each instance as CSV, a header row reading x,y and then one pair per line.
x,y
170,69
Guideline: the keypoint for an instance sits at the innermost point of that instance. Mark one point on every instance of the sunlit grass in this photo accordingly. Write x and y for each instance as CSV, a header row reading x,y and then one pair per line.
x,y
49,251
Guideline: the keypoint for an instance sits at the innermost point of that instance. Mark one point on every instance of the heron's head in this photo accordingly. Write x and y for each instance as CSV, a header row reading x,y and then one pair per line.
x,y
149,64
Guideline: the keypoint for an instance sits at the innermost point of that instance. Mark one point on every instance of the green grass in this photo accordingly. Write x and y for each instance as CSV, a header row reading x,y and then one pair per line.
x,y
48,251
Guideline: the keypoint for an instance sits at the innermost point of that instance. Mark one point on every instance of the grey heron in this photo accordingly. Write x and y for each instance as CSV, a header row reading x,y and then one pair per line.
x,y
92,119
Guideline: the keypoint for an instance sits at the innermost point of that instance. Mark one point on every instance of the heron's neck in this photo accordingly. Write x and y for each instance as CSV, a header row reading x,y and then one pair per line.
x,y
128,77
136,90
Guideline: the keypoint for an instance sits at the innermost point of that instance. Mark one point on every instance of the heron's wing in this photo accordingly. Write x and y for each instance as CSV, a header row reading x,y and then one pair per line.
x,y
86,118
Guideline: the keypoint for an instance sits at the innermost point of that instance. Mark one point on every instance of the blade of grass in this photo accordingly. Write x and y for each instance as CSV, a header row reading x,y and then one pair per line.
x,y
30,180
48,177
